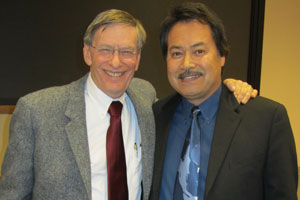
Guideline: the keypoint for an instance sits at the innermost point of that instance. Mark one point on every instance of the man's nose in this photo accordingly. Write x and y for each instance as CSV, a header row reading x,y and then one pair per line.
x,y
115,59
187,60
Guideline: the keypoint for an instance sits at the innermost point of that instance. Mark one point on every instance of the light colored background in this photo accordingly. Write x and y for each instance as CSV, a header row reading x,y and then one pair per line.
x,y
280,64
281,59
4,127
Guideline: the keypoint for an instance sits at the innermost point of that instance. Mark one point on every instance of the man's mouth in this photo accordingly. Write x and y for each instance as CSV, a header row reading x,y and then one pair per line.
x,y
113,74
188,74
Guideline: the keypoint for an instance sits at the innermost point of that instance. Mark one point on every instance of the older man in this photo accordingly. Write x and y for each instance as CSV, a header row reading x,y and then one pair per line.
x,y
57,147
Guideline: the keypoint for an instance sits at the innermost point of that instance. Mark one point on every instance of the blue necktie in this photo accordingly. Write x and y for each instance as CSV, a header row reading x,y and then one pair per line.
x,y
187,180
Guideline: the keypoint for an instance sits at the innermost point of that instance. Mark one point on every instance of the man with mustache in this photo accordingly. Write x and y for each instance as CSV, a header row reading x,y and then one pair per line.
x,y
208,146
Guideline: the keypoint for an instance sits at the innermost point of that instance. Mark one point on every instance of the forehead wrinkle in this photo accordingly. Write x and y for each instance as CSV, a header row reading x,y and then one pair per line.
x,y
104,45
105,27
197,45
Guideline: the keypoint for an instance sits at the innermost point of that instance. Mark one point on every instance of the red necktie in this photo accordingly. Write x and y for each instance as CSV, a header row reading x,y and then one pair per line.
x,y
115,155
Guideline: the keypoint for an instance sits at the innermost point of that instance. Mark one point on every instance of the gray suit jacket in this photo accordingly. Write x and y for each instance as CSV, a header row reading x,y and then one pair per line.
x,y
48,155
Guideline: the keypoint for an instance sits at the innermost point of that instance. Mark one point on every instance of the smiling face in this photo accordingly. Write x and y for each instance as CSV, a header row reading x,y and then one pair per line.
x,y
112,74
193,62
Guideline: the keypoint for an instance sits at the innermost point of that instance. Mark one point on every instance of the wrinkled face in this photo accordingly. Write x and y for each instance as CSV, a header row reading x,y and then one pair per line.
x,y
113,58
194,65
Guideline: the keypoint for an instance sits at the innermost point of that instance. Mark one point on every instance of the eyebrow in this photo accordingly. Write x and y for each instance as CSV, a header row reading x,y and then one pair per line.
x,y
192,47
175,47
198,44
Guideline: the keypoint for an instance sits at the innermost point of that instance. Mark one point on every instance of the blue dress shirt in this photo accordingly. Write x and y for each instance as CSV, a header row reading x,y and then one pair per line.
x,y
179,127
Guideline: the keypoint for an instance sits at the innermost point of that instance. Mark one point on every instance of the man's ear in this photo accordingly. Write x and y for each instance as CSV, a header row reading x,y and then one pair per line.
x,y
223,60
87,54
138,60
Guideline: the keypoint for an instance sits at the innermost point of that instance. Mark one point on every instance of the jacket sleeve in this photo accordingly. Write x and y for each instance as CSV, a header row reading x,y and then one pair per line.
x,y
17,170
281,171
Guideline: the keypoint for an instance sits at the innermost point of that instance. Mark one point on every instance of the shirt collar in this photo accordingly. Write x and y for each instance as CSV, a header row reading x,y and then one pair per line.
x,y
100,96
208,108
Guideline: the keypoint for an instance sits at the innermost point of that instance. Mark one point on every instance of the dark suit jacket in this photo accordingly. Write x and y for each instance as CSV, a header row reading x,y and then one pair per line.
x,y
253,154
48,154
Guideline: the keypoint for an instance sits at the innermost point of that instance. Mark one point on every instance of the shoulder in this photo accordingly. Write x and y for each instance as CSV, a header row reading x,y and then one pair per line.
x,y
263,103
167,104
141,85
258,105
142,88
263,108
55,96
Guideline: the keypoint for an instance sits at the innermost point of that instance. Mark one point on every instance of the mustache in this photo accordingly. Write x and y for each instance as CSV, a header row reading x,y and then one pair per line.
x,y
189,72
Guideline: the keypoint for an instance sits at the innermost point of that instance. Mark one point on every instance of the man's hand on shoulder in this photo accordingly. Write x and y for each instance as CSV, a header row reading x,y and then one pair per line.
x,y
241,90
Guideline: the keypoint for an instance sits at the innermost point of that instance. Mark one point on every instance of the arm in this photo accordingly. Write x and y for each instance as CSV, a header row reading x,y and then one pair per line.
x,y
281,171
17,169
241,90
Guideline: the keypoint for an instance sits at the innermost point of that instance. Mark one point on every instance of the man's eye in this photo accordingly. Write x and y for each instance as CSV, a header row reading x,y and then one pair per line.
x,y
126,52
105,50
176,54
198,52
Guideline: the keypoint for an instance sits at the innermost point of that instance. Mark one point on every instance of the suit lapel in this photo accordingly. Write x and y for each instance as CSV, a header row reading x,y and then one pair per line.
x,y
226,124
76,131
164,112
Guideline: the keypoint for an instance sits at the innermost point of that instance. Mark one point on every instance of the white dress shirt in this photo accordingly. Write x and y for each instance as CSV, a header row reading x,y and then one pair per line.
x,y
98,120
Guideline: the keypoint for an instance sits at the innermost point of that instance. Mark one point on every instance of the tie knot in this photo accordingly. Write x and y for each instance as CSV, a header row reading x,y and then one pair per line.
x,y
115,108
195,110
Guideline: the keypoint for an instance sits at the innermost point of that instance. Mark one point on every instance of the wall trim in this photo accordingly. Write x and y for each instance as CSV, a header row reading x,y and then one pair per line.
x,y
256,42
7,109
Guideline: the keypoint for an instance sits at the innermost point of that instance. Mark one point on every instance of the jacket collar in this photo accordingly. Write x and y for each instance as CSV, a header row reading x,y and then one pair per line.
x,y
76,130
